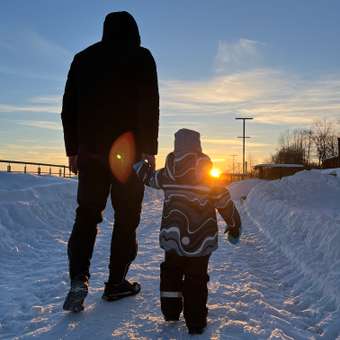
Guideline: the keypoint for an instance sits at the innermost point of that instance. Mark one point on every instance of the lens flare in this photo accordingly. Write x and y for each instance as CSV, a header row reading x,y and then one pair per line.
x,y
214,172
122,156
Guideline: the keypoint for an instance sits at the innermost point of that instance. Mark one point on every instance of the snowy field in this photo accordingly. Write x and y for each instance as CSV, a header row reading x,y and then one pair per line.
x,y
281,282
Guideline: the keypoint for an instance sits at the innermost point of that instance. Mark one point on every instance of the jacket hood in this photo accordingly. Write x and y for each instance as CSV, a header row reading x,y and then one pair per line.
x,y
121,28
187,141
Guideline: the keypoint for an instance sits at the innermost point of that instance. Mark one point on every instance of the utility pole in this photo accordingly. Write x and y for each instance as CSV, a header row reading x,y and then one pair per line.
x,y
233,173
244,140
233,163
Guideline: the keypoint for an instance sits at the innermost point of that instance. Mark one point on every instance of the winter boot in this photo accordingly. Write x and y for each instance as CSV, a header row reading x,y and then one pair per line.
x,y
74,301
116,291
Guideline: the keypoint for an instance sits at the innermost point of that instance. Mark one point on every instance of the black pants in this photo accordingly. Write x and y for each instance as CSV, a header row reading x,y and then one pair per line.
x,y
184,284
95,185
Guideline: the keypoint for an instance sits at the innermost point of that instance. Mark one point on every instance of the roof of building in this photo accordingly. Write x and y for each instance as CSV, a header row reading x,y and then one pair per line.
x,y
331,158
273,165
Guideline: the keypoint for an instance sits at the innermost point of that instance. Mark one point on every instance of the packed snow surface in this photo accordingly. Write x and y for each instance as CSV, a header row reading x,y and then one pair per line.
x,y
282,281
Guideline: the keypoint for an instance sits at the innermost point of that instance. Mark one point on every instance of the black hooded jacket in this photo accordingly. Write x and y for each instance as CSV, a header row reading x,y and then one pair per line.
x,y
111,89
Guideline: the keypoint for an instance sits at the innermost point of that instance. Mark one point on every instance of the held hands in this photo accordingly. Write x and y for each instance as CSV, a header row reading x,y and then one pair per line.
x,y
234,234
73,163
143,170
151,159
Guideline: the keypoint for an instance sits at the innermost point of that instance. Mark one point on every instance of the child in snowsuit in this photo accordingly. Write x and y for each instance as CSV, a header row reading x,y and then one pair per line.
x,y
189,228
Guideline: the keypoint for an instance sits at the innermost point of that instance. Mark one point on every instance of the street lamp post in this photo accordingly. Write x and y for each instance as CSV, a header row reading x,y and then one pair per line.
x,y
244,140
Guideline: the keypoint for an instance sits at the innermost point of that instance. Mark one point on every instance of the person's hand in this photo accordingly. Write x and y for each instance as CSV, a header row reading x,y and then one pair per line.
x,y
73,163
151,160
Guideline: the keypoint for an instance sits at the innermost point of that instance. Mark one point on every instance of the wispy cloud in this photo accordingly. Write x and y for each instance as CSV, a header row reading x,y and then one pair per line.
x,y
271,96
44,46
41,124
8,108
243,53
26,53
52,99
48,104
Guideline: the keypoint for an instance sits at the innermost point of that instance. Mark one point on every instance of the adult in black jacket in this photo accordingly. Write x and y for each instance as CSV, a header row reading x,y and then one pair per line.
x,y
111,90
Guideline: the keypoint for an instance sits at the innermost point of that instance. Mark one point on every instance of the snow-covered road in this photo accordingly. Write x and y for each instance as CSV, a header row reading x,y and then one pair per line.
x,y
256,290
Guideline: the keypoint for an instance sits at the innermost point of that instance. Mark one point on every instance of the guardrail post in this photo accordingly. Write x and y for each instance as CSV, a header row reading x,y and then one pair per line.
x,y
9,167
59,172
64,168
50,171
39,170
25,169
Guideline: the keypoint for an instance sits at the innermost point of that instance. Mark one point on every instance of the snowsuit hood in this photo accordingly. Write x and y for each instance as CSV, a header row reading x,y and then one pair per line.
x,y
121,28
187,141
183,164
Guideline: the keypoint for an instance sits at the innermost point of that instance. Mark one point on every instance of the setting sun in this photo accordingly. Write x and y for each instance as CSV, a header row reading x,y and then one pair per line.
x,y
214,172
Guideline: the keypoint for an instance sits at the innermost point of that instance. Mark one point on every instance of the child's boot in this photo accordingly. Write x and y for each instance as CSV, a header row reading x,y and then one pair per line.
x,y
171,286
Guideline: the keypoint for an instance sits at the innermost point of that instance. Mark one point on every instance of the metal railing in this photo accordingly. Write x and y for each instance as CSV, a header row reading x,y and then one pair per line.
x,y
35,168
64,171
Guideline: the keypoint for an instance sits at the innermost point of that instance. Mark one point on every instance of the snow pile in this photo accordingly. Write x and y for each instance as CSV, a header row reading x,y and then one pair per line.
x,y
241,189
25,201
334,172
300,214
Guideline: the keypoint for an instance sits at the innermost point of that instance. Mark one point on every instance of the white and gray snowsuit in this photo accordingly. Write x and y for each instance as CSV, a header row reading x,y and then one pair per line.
x,y
189,232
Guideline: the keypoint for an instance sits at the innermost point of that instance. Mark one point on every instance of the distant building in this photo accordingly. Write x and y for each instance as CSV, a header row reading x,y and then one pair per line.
x,y
332,162
276,171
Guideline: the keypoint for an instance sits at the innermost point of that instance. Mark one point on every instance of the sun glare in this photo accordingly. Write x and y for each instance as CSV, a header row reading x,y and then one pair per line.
x,y
214,172
122,156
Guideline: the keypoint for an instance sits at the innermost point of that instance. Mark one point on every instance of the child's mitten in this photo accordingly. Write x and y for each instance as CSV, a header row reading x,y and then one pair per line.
x,y
234,234
143,170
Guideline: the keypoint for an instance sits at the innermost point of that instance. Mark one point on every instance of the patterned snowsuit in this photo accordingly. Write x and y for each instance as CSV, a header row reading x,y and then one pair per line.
x,y
189,232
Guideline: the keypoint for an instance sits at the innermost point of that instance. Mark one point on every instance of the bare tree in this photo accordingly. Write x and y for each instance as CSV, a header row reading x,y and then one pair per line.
x,y
302,145
324,138
294,147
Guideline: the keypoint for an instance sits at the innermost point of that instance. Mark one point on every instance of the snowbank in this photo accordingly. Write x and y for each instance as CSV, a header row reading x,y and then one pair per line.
x,y
26,201
300,214
334,172
241,189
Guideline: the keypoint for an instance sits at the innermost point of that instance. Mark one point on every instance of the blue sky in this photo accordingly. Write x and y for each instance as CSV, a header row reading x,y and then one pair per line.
x,y
277,61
